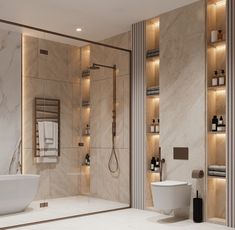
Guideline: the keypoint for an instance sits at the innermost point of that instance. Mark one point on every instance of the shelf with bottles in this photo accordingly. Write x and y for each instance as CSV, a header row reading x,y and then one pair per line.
x,y
154,165
87,160
217,125
218,80
154,127
86,132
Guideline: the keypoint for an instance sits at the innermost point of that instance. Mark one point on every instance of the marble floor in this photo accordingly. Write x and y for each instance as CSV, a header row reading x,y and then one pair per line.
x,y
128,219
59,208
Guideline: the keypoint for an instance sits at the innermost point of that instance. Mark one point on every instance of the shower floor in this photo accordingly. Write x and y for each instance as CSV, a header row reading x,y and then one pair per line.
x,y
59,208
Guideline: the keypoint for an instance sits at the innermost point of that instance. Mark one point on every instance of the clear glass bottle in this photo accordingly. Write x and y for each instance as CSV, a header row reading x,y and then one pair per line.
x,y
222,77
157,126
214,81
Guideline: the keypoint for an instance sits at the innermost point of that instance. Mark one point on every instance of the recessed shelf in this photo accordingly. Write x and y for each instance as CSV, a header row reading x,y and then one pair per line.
x,y
217,132
153,96
150,171
217,88
155,133
217,2
217,44
86,135
217,177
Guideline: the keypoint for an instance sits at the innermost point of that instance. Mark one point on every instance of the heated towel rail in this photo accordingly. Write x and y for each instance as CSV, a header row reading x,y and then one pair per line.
x,y
46,110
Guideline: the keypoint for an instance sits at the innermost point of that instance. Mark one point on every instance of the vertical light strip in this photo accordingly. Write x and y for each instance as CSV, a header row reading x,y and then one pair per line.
x,y
138,115
23,98
231,113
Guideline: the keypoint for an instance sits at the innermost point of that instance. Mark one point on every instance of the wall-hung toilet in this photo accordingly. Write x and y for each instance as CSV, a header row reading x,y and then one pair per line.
x,y
169,195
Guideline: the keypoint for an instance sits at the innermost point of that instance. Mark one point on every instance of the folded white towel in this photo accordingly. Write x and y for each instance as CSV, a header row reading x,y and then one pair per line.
x,y
49,131
48,146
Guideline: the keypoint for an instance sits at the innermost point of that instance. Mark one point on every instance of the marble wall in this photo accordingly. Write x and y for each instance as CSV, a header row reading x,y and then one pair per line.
x,y
53,76
57,75
10,102
104,184
183,87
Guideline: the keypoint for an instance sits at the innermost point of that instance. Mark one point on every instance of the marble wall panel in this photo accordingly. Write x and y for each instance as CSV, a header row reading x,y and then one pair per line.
x,y
182,82
56,76
104,184
10,99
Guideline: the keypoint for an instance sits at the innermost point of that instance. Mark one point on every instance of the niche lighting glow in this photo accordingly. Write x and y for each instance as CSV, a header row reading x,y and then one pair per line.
x,y
79,29
221,47
220,3
157,24
157,61
23,104
220,92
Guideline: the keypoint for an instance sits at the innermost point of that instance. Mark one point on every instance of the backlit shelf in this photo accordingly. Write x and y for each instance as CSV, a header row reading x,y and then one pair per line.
x,y
217,88
217,132
221,43
153,96
150,171
217,177
155,133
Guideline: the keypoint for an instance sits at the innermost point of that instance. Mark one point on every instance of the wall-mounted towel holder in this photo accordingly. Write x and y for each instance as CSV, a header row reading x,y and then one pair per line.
x,y
46,110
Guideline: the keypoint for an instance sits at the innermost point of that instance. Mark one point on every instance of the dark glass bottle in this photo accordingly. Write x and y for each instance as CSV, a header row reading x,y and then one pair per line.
x,y
153,163
214,123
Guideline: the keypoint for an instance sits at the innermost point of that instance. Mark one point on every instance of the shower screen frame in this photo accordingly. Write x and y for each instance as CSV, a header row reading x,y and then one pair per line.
x,y
36,29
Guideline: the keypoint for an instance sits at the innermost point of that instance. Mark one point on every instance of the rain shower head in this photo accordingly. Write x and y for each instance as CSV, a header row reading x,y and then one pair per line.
x,y
94,67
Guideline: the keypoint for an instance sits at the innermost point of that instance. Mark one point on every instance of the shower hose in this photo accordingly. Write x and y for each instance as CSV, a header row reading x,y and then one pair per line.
x,y
113,154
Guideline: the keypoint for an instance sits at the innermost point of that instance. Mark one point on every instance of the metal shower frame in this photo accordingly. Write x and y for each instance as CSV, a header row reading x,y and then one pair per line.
x,y
19,25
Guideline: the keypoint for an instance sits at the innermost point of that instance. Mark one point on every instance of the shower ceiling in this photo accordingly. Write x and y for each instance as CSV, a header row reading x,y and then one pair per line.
x,y
98,19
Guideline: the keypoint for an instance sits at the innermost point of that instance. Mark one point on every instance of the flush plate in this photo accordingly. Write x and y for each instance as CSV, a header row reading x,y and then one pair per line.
x,y
180,153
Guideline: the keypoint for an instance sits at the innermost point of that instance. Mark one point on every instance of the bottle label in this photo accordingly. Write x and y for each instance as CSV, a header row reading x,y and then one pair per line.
x,y
152,129
221,81
214,82
213,127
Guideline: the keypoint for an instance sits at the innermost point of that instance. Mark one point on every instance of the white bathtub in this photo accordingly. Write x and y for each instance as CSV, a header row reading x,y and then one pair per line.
x,y
17,192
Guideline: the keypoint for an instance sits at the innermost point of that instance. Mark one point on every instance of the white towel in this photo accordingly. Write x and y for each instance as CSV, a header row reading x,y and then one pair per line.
x,y
51,149
49,131
41,138
45,148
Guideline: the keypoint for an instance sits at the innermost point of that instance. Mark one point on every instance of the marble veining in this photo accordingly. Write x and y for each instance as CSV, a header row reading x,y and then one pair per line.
x,y
182,98
10,100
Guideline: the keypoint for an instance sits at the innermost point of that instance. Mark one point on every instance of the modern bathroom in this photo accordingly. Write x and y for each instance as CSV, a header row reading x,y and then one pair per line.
x,y
134,124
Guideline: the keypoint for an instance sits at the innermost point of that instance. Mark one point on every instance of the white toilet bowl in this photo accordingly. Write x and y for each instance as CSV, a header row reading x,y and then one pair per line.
x,y
170,195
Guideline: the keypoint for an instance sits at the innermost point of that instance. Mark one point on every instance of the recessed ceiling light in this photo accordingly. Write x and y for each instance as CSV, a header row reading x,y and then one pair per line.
x,y
79,29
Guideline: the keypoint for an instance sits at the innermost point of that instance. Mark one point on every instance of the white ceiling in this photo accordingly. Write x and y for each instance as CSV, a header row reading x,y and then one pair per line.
x,y
99,19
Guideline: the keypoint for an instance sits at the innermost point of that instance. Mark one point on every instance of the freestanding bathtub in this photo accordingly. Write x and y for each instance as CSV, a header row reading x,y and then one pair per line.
x,y
17,192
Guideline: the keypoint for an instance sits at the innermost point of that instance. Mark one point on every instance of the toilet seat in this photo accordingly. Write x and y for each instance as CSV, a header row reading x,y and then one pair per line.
x,y
167,183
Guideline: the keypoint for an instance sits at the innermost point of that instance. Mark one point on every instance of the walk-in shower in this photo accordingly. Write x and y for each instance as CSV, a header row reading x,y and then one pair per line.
x,y
113,155
76,119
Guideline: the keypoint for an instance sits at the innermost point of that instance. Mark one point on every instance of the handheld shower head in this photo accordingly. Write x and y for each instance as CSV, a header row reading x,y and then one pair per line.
x,y
94,67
